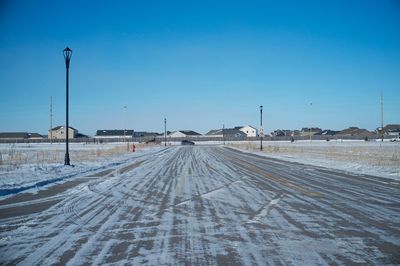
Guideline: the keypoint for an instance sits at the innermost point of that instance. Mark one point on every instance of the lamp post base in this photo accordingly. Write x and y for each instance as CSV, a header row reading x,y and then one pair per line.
x,y
67,159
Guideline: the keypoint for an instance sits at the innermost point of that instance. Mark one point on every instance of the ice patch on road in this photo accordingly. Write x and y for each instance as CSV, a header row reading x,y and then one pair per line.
x,y
264,211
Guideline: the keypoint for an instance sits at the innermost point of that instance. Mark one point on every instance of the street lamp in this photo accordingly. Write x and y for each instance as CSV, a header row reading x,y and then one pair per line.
x,y
261,128
223,132
165,132
67,57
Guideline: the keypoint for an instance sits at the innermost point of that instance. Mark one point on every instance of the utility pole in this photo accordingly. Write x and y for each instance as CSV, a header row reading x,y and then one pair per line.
x,y
382,116
51,120
165,132
311,121
261,128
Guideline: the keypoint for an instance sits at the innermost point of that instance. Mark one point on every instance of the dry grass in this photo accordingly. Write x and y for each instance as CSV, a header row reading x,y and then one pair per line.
x,y
372,154
13,156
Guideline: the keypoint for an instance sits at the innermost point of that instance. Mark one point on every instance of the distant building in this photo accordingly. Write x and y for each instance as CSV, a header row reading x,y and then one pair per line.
x,y
282,133
392,130
20,135
60,133
328,132
306,131
184,134
227,133
355,131
248,130
138,134
285,133
114,133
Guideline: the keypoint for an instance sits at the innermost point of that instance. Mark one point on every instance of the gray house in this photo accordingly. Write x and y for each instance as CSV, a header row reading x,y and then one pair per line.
x,y
20,135
184,134
228,133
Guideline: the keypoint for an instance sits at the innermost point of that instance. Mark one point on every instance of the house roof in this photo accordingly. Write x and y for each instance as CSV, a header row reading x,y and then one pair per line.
x,y
313,129
80,135
240,127
114,132
58,127
19,135
328,132
226,131
355,131
214,132
189,132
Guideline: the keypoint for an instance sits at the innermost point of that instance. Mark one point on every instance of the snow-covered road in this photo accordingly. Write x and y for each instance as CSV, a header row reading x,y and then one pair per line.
x,y
205,205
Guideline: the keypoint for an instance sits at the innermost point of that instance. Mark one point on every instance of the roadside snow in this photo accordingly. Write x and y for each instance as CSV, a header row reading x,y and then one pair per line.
x,y
359,157
18,177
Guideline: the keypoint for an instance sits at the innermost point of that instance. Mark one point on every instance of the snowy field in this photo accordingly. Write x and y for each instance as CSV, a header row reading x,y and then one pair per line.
x,y
33,166
360,157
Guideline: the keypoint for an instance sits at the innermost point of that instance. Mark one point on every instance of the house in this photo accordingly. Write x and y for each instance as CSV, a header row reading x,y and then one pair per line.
x,y
285,133
355,131
248,130
227,133
139,134
20,135
114,133
392,130
328,132
282,133
60,133
306,131
184,134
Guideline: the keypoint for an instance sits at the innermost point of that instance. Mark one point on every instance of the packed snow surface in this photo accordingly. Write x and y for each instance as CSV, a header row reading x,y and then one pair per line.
x,y
204,205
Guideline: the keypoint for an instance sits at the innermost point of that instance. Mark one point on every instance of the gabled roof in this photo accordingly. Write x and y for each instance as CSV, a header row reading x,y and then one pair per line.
x,y
189,132
19,135
114,132
57,128
214,132
240,127
355,131
226,132
313,129
80,135
233,131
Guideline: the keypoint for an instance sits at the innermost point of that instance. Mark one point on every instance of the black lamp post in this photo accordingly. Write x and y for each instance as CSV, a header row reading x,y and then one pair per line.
x,y
261,128
67,56
165,132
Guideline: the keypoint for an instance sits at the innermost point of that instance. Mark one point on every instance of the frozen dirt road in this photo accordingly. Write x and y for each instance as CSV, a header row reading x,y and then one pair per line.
x,y
206,205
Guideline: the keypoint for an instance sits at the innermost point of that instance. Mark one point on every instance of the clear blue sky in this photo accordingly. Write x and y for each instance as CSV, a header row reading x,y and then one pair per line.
x,y
201,64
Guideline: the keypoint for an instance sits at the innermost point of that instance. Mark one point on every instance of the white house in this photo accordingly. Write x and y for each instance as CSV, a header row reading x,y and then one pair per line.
x,y
184,134
60,133
248,130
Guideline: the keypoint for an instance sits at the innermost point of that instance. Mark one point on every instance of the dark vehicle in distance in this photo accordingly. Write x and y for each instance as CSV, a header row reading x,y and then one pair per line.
x,y
187,142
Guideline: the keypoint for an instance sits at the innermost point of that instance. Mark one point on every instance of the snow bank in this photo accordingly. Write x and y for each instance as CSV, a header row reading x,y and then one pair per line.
x,y
361,157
